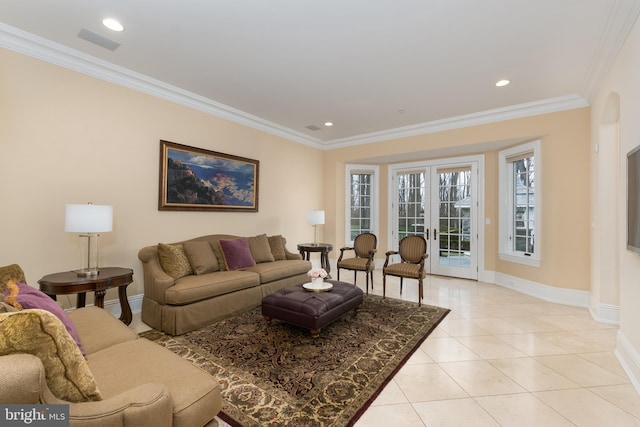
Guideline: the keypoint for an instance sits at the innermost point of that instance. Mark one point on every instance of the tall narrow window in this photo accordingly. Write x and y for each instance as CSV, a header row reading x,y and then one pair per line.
x,y
519,205
361,204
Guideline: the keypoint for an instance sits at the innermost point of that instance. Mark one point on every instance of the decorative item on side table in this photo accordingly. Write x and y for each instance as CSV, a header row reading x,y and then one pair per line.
x,y
317,283
315,218
89,220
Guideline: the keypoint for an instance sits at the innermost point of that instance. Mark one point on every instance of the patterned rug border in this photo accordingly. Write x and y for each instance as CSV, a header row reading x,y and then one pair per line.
x,y
191,346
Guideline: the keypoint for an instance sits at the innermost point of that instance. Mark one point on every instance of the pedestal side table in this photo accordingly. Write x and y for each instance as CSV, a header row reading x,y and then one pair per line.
x,y
68,282
324,249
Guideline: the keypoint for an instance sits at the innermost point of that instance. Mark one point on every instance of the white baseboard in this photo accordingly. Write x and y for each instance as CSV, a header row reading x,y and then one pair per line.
x,y
113,306
548,293
629,359
605,313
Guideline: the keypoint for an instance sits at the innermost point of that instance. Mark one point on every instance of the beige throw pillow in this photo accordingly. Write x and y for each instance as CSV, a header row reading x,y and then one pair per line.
x,y
201,256
173,260
277,248
260,249
41,333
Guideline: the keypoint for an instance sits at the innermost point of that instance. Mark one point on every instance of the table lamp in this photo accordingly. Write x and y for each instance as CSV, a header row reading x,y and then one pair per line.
x,y
315,218
89,220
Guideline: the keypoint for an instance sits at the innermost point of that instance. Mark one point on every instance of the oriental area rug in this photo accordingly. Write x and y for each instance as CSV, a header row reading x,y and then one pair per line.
x,y
277,375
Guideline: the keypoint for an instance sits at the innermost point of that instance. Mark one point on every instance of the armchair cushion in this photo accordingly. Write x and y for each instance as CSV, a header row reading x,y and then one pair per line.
x,y
359,264
41,333
173,260
404,269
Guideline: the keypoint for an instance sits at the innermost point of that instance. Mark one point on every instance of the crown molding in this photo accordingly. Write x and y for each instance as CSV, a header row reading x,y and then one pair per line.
x,y
617,26
37,47
550,105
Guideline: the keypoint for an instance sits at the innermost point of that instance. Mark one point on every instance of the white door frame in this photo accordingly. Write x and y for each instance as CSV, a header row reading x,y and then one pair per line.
x,y
477,161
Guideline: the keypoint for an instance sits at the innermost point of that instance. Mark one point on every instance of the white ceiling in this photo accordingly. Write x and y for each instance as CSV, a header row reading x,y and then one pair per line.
x,y
378,69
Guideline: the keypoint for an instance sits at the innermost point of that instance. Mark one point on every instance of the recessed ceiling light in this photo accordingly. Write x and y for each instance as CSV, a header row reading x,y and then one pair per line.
x,y
112,24
328,124
501,83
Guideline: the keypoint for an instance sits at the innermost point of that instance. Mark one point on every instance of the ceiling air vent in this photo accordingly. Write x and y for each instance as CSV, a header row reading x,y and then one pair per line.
x,y
313,127
94,38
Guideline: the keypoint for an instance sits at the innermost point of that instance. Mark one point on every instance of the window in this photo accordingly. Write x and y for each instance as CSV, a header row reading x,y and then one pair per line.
x,y
361,214
520,204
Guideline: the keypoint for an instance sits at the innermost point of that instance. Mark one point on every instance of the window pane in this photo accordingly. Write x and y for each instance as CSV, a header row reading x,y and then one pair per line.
x,y
523,204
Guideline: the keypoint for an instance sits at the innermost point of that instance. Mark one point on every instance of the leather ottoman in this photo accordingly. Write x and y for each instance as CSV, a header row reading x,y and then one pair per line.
x,y
311,310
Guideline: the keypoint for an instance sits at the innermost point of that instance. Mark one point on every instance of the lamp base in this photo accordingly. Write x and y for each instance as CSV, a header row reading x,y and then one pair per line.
x,y
87,272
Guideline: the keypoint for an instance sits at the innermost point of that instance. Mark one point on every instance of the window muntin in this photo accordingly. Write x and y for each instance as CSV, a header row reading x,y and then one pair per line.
x,y
361,207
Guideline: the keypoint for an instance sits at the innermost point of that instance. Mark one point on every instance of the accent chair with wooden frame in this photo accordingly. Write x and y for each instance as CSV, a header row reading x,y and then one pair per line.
x,y
364,247
413,252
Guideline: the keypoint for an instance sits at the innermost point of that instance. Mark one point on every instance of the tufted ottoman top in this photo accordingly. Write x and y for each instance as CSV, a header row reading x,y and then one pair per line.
x,y
312,310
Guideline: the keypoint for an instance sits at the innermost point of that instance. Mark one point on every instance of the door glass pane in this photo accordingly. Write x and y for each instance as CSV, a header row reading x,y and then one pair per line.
x,y
454,190
411,204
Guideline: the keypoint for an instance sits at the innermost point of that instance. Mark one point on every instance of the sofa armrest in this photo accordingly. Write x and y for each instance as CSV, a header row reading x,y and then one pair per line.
x,y
156,281
22,381
145,405
22,378
288,253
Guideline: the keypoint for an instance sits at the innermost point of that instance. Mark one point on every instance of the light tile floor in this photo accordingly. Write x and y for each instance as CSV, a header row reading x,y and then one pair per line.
x,y
502,358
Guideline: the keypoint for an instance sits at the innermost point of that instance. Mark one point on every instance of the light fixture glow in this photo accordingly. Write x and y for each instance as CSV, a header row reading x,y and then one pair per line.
x,y
328,124
501,83
112,24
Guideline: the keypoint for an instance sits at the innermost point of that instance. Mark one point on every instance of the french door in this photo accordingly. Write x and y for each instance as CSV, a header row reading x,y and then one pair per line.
x,y
438,200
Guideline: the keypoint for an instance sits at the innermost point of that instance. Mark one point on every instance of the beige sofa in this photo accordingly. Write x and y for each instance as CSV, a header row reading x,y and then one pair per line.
x,y
138,383
191,284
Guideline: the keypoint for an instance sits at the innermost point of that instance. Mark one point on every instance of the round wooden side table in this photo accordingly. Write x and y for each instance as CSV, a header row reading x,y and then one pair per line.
x,y
324,249
68,282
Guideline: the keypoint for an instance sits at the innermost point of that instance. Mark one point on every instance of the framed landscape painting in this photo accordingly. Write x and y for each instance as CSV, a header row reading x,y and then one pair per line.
x,y
197,179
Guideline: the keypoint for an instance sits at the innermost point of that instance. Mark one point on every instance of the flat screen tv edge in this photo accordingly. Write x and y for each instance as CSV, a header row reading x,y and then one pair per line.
x,y
633,200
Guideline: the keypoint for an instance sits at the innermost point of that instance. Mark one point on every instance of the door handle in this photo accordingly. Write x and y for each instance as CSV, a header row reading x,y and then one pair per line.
x,y
427,232
435,234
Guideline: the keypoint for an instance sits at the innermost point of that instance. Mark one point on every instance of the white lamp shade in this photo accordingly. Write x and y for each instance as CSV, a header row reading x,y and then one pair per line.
x,y
88,218
315,217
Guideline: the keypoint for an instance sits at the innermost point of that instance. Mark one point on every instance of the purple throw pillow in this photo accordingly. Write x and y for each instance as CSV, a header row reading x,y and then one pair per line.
x,y
236,253
30,297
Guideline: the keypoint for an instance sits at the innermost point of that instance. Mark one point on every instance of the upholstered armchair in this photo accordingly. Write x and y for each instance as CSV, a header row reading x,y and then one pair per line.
x,y
413,252
364,247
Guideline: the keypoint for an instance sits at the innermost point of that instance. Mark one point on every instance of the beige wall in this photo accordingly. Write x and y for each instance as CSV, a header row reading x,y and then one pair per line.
x,y
620,88
565,140
70,138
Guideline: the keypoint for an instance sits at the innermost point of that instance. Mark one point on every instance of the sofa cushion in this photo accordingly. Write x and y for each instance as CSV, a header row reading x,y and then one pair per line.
x,y
236,253
173,260
29,297
195,393
194,288
112,330
42,334
277,270
276,243
201,256
260,249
